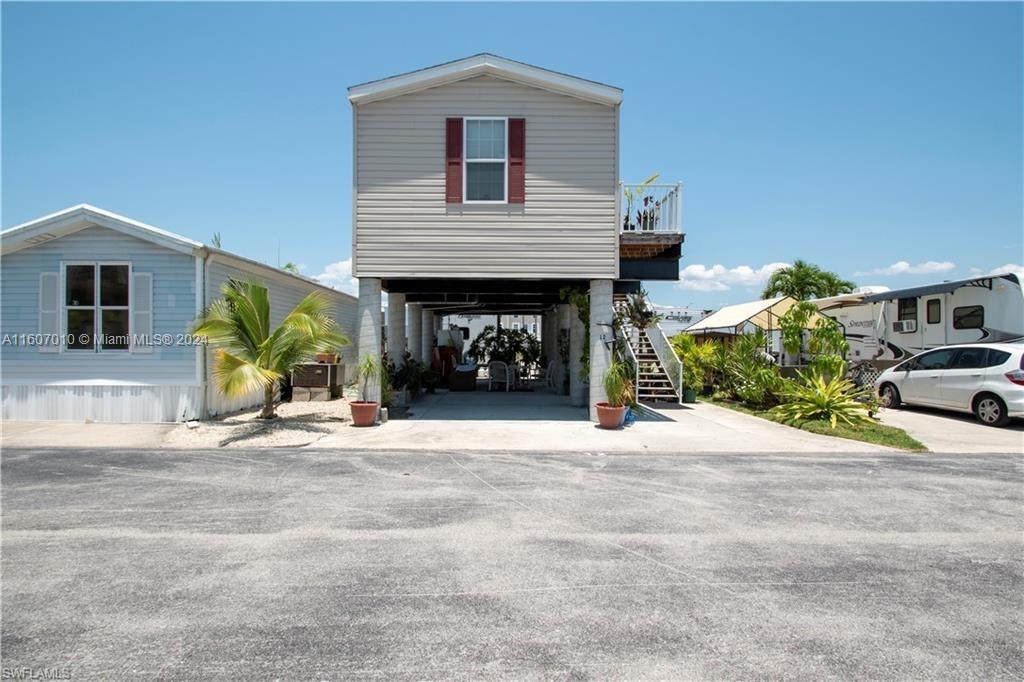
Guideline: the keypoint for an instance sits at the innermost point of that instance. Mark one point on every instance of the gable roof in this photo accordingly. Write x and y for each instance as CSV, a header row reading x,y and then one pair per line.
x,y
75,218
82,216
764,313
484,64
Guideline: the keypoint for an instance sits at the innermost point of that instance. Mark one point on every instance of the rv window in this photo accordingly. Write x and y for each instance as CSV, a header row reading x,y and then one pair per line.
x,y
968,317
906,309
934,311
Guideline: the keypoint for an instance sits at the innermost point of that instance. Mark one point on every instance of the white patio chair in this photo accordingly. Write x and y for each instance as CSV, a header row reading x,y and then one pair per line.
x,y
497,373
549,375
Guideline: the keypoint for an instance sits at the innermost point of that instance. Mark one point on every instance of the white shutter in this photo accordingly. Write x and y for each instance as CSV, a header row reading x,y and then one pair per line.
x,y
49,312
142,312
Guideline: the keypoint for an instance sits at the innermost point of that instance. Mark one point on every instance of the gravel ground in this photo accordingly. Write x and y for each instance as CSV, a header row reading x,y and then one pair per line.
x,y
298,424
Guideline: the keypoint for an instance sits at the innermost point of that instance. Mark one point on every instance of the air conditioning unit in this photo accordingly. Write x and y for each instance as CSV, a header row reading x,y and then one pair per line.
x,y
904,326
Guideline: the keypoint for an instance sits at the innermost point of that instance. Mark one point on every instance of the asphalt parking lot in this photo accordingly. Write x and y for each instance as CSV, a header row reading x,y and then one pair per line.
x,y
328,564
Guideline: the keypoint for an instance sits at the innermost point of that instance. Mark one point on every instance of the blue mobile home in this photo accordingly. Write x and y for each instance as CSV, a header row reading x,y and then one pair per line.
x,y
95,310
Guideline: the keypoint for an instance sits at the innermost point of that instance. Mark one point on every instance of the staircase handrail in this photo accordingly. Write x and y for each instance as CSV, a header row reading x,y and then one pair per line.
x,y
669,359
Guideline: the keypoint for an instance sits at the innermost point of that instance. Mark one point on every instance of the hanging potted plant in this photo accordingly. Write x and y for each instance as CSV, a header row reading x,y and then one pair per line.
x,y
364,412
618,386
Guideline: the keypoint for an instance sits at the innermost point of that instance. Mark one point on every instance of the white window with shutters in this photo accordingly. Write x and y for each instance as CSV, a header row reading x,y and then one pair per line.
x,y
97,307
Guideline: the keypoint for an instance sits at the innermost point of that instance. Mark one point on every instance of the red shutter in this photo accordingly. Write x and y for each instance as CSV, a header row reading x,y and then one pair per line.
x,y
517,160
453,161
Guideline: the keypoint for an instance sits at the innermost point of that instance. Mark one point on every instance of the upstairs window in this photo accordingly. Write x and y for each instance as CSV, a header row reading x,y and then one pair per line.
x,y
486,145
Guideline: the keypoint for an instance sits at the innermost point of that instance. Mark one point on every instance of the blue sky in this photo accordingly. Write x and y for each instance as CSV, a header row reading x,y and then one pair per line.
x,y
881,141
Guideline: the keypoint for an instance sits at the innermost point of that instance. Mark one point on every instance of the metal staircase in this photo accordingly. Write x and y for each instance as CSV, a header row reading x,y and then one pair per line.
x,y
653,381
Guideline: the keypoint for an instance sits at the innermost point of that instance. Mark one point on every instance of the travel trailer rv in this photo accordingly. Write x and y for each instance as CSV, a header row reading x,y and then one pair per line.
x,y
889,326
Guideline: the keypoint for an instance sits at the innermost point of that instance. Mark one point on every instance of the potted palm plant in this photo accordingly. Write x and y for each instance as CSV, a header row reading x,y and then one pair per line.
x,y
618,386
364,412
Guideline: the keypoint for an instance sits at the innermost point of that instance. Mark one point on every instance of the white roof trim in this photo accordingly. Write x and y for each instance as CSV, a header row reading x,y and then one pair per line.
x,y
75,218
82,216
481,65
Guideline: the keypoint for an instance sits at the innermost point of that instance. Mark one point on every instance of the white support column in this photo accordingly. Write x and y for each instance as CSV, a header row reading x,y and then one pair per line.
x,y
428,335
601,339
369,324
415,333
577,391
396,328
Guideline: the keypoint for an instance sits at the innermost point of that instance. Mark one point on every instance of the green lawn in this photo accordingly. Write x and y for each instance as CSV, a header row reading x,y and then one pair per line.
x,y
876,433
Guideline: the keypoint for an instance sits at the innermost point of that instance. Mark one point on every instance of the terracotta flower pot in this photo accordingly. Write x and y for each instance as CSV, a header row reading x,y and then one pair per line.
x,y
363,413
610,417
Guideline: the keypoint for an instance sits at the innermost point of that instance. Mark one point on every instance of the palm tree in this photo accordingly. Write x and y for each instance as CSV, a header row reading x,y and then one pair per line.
x,y
250,355
833,285
803,280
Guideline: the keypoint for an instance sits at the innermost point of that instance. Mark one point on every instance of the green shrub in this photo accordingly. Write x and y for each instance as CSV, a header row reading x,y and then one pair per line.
x,y
504,345
813,397
618,384
749,375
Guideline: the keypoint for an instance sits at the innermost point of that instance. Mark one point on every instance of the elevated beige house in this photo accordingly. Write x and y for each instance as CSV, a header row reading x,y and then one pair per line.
x,y
488,186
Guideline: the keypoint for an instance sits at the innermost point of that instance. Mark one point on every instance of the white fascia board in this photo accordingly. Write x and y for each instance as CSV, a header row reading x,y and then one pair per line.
x,y
481,65
75,218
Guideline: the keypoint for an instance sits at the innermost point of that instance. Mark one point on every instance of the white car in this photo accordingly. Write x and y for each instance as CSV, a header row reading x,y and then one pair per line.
x,y
986,380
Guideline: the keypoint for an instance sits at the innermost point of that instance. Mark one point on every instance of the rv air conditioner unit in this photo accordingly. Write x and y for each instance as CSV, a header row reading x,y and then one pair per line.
x,y
905,326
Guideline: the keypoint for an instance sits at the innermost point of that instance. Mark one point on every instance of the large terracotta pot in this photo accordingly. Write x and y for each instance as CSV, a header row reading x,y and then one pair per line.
x,y
610,417
363,413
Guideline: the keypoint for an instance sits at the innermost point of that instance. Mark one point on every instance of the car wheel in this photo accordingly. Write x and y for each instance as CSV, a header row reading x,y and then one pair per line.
x,y
890,396
991,410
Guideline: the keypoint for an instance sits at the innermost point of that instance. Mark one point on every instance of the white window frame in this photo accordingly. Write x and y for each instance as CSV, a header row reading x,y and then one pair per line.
x,y
97,307
466,161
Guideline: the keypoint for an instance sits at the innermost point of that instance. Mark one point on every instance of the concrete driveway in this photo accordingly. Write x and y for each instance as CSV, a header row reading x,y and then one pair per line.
x,y
452,423
327,564
943,431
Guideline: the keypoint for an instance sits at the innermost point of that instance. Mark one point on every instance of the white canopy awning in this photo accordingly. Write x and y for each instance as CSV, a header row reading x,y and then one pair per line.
x,y
764,313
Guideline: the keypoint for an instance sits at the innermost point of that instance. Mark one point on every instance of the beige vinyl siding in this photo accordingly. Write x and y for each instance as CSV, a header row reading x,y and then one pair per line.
x,y
566,228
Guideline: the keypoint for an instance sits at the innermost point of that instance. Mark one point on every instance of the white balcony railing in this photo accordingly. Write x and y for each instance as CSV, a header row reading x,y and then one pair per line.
x,y
650,207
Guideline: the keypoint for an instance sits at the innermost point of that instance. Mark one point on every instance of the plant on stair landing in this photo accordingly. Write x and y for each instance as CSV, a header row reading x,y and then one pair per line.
x,y
638,312
618,386
364,412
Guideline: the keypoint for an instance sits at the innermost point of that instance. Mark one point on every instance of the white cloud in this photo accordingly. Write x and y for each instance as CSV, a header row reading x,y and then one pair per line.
x,y
697,277
903,267
339,276
1015,268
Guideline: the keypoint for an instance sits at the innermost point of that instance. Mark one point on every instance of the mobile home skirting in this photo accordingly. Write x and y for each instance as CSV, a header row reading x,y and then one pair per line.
x,y
102,402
